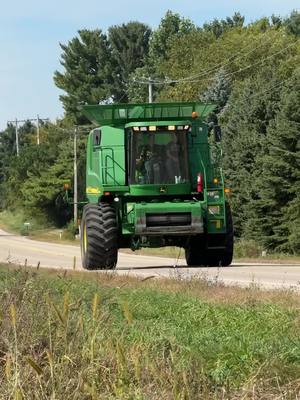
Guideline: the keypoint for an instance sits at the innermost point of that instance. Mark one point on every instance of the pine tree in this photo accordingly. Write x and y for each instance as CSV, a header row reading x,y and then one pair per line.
x,y
277,203
219,90
87,75
292,23
250,109
129,45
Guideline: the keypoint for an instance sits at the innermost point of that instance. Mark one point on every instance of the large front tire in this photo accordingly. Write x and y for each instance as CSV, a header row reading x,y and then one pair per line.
x,y
99,237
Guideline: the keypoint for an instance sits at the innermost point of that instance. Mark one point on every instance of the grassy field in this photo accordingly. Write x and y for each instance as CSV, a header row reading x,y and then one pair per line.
x,y
39,229
103,336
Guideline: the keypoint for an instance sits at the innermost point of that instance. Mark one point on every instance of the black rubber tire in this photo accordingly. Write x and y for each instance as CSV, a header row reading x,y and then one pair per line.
x,y
197,254
227,254
99,237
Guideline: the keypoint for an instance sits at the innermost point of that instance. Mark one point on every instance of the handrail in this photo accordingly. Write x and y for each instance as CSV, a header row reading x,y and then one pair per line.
x,y
115,162
105,167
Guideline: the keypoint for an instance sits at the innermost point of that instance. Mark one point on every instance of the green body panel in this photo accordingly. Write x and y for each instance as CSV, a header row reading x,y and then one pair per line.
x,y
150,190
107,173
105,162
167,207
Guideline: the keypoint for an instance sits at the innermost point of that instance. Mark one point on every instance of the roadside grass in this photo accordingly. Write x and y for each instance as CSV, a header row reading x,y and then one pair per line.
x,y
12,221
72,335
249,250
39,229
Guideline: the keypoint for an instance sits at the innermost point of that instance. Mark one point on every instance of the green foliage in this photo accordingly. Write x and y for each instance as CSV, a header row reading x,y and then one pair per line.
x,y
138,92
245,123
129,44
70,231
241,53
218,27
218,91
97,67
292,23
87,75
7,149
276,200
13,221
172,26
246,248
34,180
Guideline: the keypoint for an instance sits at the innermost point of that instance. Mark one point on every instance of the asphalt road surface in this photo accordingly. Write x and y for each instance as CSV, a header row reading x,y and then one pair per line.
x,y
21,250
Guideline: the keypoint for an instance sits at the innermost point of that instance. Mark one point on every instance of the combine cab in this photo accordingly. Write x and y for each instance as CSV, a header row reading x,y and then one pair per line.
x,y
153,180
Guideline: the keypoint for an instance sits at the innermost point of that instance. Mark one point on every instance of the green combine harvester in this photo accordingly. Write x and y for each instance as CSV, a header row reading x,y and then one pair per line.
x,y
153,180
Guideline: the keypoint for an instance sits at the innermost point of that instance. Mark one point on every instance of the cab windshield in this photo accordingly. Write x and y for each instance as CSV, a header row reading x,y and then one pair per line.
x,y
159,157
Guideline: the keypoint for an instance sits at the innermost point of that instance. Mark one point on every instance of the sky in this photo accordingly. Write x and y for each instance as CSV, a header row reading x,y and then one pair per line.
x,y
31,31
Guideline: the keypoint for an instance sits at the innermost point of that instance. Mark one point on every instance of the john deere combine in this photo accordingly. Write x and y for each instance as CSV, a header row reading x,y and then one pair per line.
x,y
153,180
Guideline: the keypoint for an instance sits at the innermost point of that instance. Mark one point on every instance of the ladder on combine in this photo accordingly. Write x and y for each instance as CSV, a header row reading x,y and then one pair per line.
x,y
216,205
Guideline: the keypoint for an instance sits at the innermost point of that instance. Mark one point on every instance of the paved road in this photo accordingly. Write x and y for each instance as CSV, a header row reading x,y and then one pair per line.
x,y
17,249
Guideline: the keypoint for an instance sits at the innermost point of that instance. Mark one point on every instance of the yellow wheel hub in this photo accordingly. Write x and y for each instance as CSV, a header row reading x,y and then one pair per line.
x,y
84,239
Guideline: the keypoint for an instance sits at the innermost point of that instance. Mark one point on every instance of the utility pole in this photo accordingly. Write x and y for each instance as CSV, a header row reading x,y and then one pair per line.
x,y
150,87
38,130
75,131
75,199
38,120
16,122
17,137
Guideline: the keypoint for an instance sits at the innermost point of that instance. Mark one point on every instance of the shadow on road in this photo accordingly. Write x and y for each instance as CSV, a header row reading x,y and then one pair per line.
x,y
8,234
168,267
172,267
150,267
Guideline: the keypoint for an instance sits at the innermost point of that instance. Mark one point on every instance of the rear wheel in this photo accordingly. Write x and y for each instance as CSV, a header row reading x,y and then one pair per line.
x,y
99,237
197,252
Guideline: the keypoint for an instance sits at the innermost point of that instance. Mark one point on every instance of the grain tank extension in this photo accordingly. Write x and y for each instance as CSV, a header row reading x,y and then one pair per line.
x,y
153,180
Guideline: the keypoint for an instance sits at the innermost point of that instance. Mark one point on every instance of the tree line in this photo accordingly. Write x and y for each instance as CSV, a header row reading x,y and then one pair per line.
x,y
252,73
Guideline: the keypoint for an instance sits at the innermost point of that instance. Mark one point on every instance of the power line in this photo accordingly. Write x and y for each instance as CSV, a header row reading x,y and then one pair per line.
x,y
215,67
252,65
225,75
262,92
16,122
75,130
278,84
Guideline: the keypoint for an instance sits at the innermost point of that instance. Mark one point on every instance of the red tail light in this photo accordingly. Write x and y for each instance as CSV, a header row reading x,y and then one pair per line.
x,y
199,183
